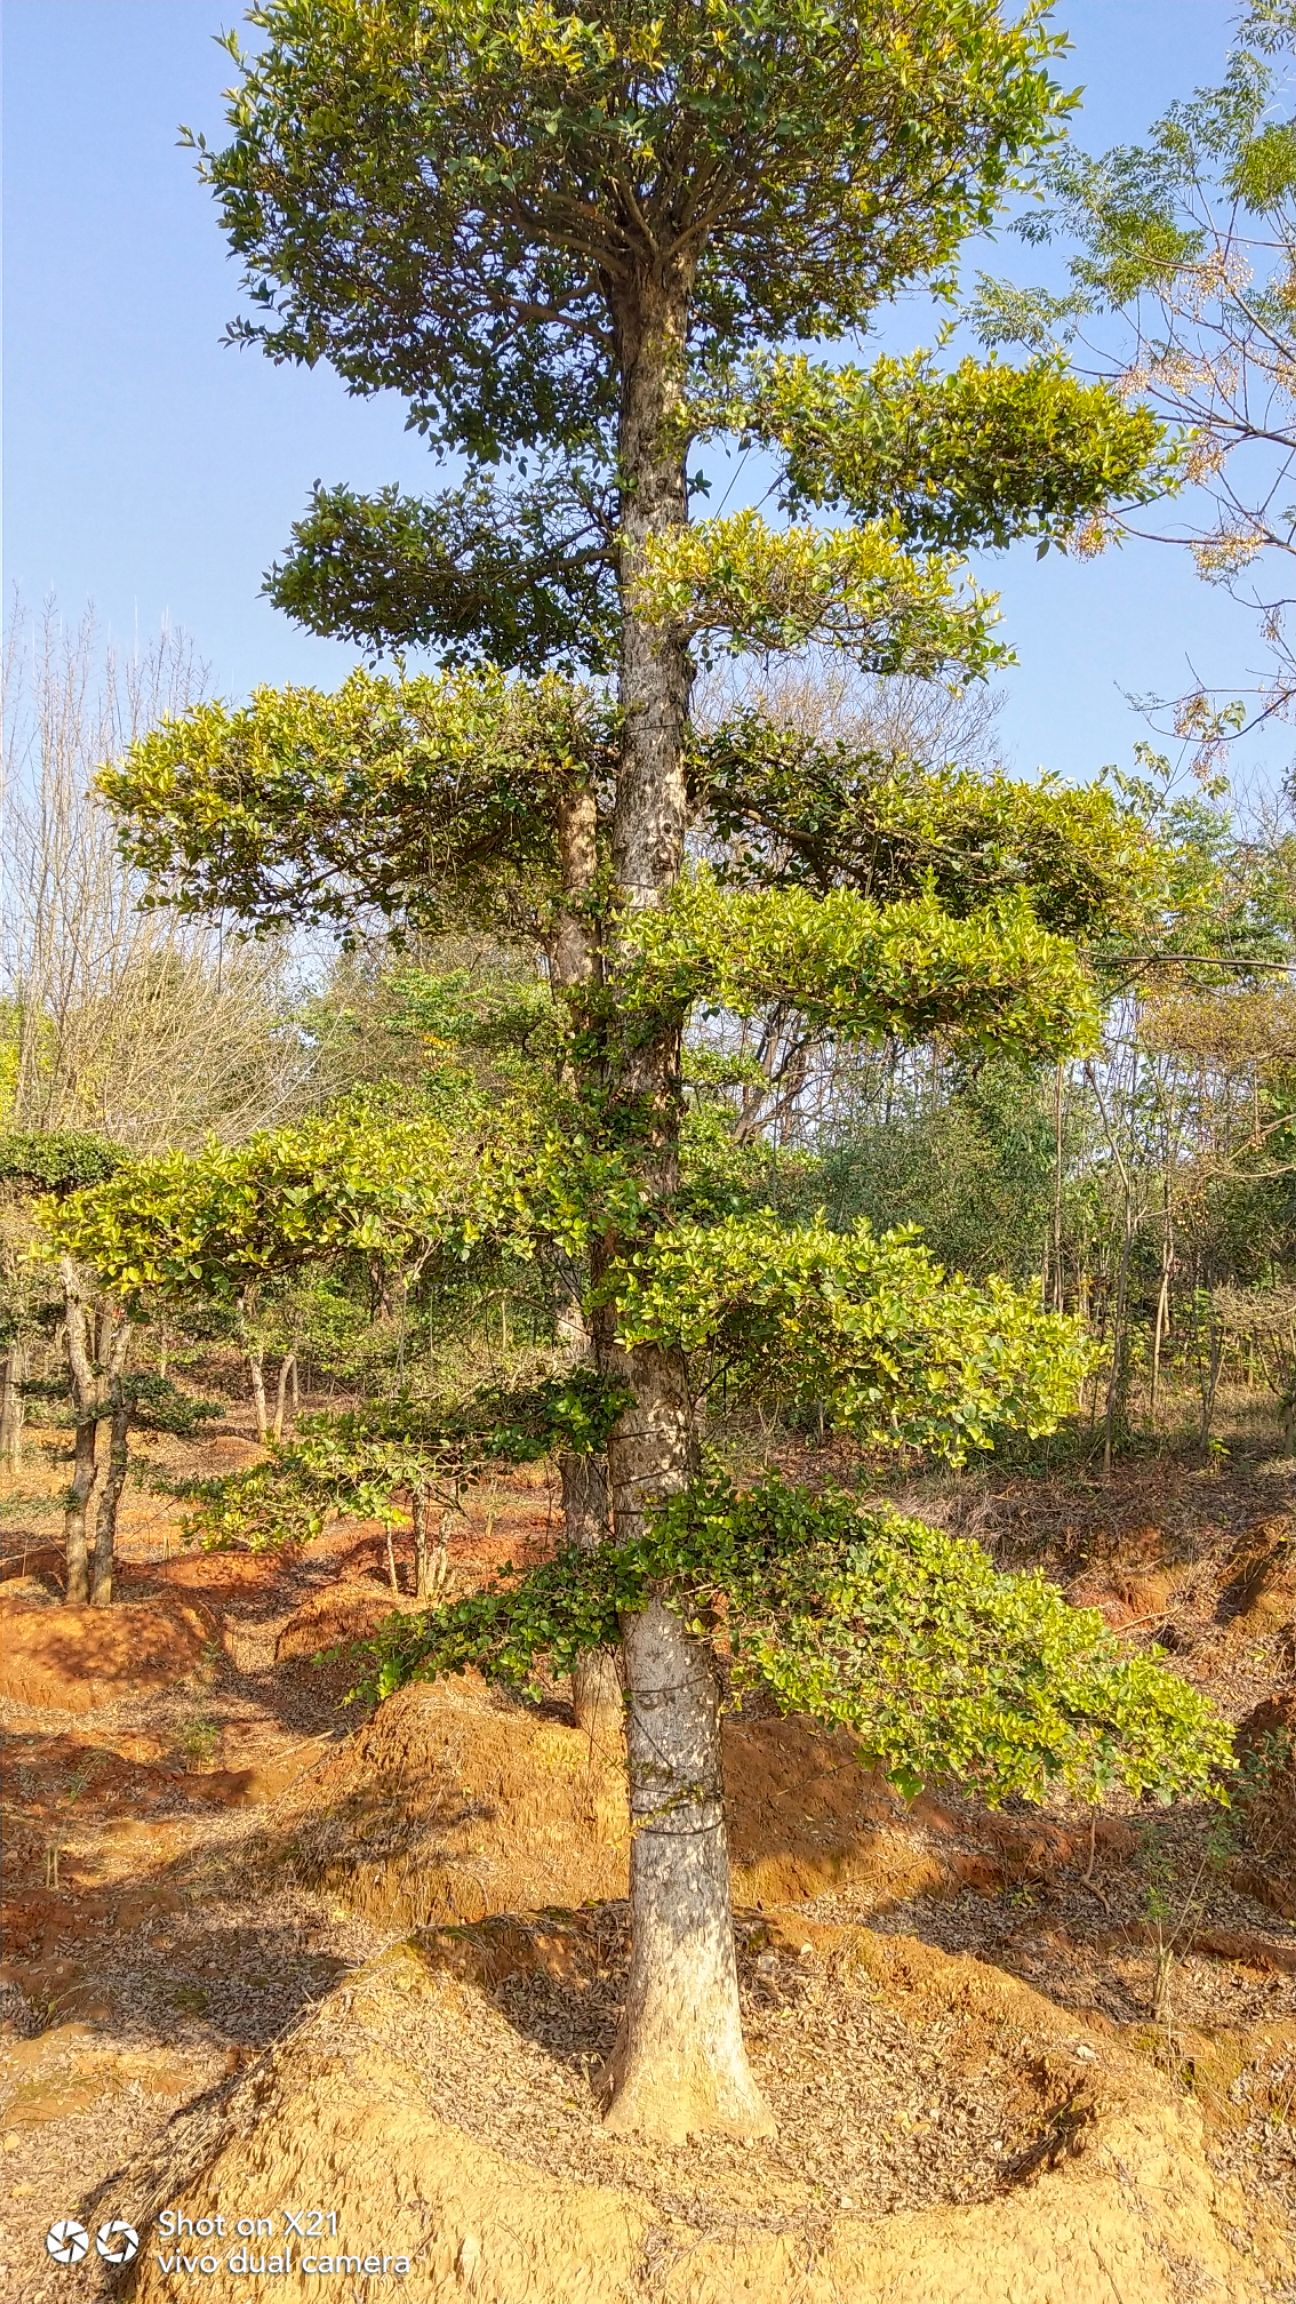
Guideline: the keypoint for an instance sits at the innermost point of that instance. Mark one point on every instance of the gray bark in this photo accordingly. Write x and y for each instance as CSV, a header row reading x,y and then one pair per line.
x,y
101,1582
86,1406
256,1374
13,1374
573,961
679,2064
287,1370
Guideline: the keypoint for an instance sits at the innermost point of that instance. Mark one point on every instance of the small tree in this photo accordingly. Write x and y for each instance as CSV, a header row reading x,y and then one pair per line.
x,y
576,244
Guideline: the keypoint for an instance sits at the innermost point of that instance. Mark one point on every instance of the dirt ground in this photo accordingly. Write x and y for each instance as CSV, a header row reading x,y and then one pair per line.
x,y
217,1870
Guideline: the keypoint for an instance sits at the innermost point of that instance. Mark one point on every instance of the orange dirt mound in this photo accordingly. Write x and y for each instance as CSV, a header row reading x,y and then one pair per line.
x,y
76,1659
216,1574
944,2133
1266,1746
1260,1586
451,1804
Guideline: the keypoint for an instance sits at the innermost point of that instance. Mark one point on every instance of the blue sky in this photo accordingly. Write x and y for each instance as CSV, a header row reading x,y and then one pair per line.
x,y
155,472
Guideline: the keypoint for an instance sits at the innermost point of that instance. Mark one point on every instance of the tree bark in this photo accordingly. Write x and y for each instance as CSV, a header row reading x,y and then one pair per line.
x,y
431,1561
101,1583
78,1329
679,2065
596,1682
256,1374
287,1368
13,1373
573,962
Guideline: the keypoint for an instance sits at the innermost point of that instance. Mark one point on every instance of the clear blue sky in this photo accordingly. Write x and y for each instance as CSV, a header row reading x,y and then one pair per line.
x,y
154,471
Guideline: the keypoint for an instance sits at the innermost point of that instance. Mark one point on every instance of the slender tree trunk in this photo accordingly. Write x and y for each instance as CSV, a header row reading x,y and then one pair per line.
x,y
101,1584
75,1544
13,1375
596,1681
679,2064
87,1408
431,1561
1162,1323
573,963
256,1373
287,1367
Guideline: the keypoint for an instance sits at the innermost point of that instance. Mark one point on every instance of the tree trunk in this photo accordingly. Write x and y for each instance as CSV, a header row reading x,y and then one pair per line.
x,y
76,1551
596,1681
13,1373
431,1561
87,1408
573,962
256,1372
101,1586
286,1370
679,2064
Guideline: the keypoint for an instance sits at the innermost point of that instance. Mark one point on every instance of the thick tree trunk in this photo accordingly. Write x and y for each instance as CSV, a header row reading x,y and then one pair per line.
x,y
76,1550
101,1583
13,1375
679,2064
78,1329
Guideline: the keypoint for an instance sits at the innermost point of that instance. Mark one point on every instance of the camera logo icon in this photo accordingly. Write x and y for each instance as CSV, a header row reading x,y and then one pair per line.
x,y
67,2241
117,2242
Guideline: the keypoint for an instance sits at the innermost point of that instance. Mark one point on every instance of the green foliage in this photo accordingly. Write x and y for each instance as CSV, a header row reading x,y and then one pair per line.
x,y
967,1158
442,197
429,802
867,970
894,1349
517,579
980,455
157,1405
369,1463
945,1668
794,811
56,1162
739,581
364,1177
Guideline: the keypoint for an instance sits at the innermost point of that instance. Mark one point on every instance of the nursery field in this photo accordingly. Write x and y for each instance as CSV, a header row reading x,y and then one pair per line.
x,y
648,1159
266,1950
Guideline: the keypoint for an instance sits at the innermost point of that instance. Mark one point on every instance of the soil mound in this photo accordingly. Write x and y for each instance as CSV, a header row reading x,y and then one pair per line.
x,y
1266,1747
76,1659
452,1804
1260,1577
218,1575
944,2132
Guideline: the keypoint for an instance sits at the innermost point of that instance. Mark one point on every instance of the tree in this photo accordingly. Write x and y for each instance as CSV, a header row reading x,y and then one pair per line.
x,y
115,1020
575,244
1182,250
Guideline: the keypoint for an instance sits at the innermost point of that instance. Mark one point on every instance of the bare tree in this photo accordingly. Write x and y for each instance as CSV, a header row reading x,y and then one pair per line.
x,y
136,1024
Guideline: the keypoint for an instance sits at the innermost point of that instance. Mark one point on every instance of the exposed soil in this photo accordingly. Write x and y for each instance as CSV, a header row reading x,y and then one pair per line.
x,y
208,1851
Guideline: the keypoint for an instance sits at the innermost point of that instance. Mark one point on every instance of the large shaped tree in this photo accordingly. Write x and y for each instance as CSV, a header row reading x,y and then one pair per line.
x,y
577,243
